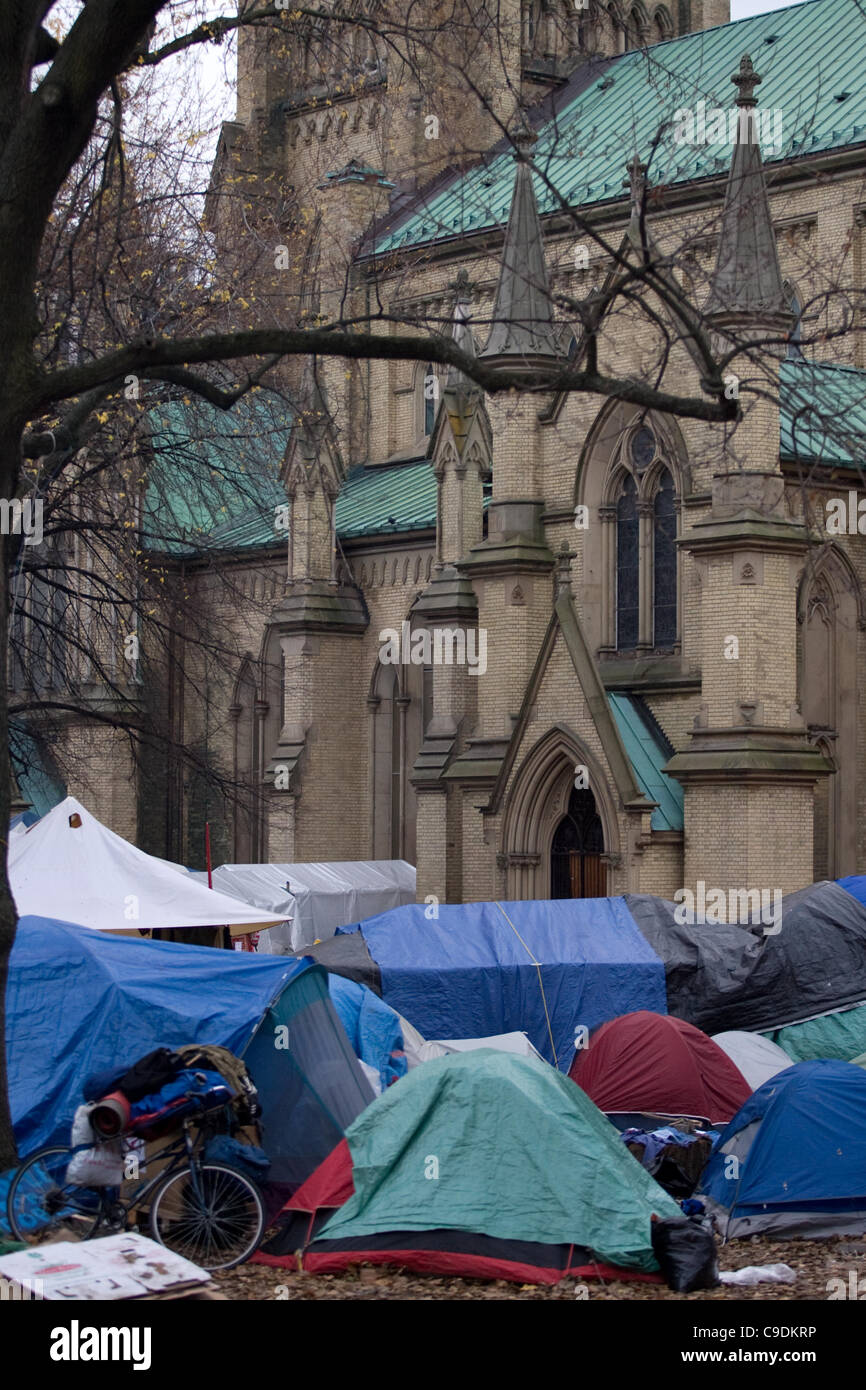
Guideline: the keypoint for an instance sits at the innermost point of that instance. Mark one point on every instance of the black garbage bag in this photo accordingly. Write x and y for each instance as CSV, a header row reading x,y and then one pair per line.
x,y
686,1252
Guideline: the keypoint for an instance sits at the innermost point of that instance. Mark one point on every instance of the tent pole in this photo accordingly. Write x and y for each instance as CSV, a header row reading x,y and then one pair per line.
x,y
207,853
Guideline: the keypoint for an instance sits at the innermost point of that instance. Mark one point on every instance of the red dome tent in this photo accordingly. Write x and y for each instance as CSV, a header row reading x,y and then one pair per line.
x,y
654,1063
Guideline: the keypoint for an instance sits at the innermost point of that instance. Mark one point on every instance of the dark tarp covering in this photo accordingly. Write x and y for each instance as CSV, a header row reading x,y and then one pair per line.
x,y
346,954
722,976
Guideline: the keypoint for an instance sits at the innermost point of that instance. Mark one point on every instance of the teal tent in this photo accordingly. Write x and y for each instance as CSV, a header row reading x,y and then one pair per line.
x,y
479,1164
841,1036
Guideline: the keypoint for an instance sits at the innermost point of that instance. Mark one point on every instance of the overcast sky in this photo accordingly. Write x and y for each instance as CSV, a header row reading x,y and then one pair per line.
x,y
741,9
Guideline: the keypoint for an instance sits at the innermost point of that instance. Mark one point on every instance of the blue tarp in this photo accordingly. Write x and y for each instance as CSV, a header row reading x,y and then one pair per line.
x,y
81,1001
807,1154
544,968
372,1028
855,884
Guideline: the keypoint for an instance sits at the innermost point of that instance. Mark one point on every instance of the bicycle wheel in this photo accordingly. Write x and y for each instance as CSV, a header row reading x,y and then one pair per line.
x,y
41,1202
210,1214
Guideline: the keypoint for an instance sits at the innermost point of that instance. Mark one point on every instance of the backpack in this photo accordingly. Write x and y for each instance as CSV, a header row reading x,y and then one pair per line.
x,y
247,1106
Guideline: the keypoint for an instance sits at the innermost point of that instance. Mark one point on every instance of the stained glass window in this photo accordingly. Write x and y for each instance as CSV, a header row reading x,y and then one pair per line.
x,y
643,448
627,567
665,564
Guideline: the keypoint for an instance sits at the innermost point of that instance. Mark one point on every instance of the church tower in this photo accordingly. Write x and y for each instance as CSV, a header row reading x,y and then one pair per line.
x,y
749,772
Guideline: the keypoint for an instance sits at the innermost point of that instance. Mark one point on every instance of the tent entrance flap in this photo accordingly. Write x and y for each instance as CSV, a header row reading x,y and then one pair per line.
x,y
309,1080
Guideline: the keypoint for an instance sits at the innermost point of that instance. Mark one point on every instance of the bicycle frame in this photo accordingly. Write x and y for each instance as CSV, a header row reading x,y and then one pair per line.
x,y
181,1151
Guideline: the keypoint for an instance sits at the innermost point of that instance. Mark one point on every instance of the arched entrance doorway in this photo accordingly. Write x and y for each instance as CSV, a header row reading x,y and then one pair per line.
x,y
577,869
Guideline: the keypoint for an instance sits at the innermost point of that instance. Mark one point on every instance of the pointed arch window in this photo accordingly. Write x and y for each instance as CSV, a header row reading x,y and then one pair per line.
x,y
663,24
45,618
665,562
486,499
644,559
627,566
618,24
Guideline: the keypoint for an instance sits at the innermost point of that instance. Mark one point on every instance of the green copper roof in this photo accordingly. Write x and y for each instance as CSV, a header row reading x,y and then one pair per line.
x,y
215,482
374,501
647,754
811,59
823,413
215,479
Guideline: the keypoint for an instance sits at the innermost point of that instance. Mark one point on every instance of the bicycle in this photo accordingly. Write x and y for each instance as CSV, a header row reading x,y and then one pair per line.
x,y
210,1213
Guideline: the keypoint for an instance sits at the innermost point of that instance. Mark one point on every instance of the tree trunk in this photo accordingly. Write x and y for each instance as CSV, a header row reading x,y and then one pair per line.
x,y
8,913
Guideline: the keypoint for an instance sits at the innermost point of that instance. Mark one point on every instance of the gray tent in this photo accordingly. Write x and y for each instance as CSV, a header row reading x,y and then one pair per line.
x,y
756,1058
318,897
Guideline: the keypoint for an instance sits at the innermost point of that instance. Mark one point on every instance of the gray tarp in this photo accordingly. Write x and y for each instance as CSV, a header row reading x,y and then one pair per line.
x,y
724,976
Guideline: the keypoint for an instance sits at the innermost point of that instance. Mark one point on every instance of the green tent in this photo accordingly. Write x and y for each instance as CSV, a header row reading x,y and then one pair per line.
x,y
480,1163
839,1036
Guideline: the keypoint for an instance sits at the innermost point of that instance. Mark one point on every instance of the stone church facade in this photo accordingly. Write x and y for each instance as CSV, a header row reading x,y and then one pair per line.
x,y
657,649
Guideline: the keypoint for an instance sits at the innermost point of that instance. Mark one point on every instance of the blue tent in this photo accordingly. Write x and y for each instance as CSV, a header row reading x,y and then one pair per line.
x,y
81,1001
549,967
544,968
855,884
792,1161
372,1028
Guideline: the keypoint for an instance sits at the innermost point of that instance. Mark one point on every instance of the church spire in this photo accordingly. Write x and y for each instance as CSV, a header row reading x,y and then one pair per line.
x,y
523,325
747,279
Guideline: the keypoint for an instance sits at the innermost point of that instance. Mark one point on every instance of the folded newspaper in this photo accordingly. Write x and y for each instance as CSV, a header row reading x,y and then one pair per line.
x,y
115,1267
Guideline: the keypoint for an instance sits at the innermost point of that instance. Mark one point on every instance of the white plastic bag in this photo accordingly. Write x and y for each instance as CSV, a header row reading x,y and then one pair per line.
x,y
100,1164
759,1274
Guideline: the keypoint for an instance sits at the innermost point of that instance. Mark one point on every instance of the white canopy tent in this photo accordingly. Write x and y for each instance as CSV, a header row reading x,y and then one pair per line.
x,y
319,897
71,867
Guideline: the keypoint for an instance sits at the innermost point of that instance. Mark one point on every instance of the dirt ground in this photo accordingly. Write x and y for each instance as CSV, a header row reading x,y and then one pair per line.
x,y
814,1262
